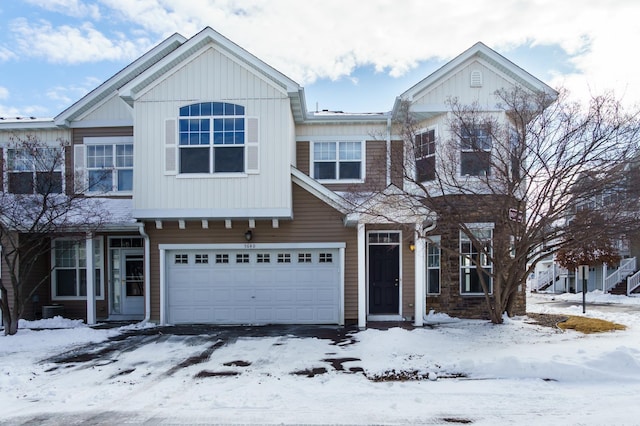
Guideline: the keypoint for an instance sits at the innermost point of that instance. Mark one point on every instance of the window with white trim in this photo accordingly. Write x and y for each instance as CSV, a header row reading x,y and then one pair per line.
x,y
475,251
110,167
69,275
425,154
339,160
212,139
37,170
433,268
475,151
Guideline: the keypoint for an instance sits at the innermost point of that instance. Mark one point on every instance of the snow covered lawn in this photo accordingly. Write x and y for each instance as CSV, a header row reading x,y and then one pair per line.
x,y
471,372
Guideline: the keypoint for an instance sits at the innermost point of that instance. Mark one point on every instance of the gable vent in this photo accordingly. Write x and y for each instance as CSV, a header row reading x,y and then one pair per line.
x,y
476,78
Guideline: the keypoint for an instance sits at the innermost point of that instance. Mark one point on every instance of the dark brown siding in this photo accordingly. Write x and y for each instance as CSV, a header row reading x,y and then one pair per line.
x,y
397,164
302,157
314,221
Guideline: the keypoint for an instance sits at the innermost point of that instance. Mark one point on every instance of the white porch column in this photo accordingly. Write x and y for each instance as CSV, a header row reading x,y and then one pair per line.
x,y
419,272
362,277
91,285
163,313
605,270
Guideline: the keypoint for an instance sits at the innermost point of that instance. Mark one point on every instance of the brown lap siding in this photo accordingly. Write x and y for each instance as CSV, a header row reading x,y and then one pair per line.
x,y
313,222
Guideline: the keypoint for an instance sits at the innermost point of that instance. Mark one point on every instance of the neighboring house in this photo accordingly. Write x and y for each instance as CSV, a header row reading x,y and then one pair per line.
x,y
613,200
230,199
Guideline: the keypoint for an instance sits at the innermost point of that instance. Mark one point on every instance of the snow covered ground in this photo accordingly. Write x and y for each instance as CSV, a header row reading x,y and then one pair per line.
x,y
472,372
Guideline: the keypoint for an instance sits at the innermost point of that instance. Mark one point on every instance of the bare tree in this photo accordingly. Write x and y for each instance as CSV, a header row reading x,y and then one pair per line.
x,y
34,209
521,167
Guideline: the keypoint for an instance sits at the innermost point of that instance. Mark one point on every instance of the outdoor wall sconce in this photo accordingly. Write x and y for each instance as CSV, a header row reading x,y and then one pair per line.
x,y
412,246
248,235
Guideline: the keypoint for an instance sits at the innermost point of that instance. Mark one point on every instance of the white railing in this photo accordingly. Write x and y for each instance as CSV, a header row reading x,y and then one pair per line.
x,y
543,278
548,276
627,267
633,282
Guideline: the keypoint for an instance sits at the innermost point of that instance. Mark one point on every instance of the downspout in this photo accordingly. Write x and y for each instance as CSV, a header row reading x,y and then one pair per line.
x,y
389,160
147,273
425,231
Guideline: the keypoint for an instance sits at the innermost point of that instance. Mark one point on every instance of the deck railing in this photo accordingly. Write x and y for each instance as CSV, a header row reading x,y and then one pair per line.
x,y
633,282
627,267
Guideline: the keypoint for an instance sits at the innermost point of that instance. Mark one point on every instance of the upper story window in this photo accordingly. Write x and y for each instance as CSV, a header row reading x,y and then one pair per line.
x,y
425,146
475,251
37,170
212,140
338,160
475,151
110,167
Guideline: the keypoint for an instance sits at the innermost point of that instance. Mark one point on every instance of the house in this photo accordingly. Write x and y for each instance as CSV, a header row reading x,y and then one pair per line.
x,y
613,267
230,201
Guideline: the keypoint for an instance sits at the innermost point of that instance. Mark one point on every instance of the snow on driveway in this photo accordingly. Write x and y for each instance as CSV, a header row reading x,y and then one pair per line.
x,y
471,372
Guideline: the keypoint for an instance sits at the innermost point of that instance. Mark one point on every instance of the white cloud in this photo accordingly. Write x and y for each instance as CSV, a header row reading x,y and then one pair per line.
x,y
4,93
63,96
25,111
66,44
313,39
75,8
330,38
6,54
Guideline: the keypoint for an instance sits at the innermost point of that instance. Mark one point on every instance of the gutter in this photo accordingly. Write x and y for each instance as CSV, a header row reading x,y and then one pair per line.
x,y
147,273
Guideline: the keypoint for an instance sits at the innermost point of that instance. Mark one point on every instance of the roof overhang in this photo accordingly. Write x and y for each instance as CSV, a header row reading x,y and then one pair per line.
x,y
110,86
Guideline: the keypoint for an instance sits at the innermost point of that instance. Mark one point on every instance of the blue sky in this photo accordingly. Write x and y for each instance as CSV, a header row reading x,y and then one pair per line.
x,y
349,55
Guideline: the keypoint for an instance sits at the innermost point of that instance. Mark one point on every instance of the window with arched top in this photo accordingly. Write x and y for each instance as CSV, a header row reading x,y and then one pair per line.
x,y
212,137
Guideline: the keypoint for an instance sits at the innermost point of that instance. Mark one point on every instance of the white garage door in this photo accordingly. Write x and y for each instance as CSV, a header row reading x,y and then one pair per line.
x,y
253,286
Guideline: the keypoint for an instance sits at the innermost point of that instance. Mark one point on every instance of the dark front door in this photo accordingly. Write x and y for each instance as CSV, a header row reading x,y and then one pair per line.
x,y
384,279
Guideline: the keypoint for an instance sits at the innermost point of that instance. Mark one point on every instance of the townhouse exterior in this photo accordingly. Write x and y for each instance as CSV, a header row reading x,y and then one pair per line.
x,y
230,202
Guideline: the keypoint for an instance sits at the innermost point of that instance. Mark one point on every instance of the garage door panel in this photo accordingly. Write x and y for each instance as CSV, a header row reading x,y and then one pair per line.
x,y
287,287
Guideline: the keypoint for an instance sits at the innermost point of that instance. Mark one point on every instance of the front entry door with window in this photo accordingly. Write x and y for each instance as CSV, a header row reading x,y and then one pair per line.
x,y
127,283
384,279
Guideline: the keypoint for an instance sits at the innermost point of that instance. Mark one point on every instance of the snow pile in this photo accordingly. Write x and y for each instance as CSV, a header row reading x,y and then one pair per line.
x,y
455,372
50,323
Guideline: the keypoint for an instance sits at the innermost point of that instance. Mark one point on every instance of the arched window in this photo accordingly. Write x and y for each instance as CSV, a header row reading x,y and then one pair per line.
x,y
211,138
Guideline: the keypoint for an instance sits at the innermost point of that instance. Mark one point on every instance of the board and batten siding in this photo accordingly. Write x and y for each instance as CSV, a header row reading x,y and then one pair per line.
x,y
44,135
460,84
337,130
314,221
113,109
213,76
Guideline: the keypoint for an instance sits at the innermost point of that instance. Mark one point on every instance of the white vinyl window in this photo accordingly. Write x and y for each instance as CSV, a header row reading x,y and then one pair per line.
x,y
211,138
475,151
110,167
339,161
69,276
35,171
475,251
433,268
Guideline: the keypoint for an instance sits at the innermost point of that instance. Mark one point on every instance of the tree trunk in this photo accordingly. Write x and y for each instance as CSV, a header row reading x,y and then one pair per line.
x,y
10,324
